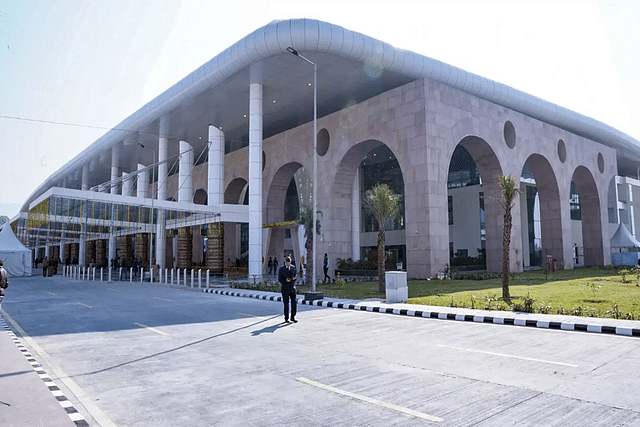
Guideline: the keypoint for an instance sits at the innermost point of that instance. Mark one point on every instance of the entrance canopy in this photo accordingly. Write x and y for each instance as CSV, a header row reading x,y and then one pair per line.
x,y
624,239
60,214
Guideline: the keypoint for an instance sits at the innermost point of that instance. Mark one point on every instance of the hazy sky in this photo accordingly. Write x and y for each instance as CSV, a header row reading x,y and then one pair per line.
x,y
72,69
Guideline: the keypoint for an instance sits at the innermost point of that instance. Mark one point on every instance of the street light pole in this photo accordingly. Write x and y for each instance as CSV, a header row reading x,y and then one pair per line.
x,y
315,165
153,178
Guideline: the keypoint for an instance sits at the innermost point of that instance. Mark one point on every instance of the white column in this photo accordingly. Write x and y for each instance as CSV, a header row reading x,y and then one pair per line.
x,y
185,173
355,217
115,167
83,245
85,177
255,179
161,235
143,182
215,188
127,184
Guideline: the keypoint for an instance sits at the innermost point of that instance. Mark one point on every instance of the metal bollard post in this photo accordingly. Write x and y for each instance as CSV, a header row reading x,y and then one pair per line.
x,y
131,275
172,276
192,273
151,275
207,278
199,279
185,277
141,274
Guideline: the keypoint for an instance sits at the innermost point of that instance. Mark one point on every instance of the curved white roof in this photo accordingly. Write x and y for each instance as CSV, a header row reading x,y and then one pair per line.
x,y
351,67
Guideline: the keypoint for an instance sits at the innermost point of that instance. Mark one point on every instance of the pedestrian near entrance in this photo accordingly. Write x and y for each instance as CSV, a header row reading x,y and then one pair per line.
x,y
45,266
4,281
287,278
325,266
270,266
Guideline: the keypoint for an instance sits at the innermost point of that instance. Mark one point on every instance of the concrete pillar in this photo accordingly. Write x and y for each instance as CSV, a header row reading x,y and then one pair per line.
x,y
85,177
255,179
215,194
185,173
161,240
127,184
162,167
355,217
143,182
115,167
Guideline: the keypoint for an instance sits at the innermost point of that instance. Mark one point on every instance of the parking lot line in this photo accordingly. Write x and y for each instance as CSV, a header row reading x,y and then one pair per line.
x,y
151,329
491,353
377,402
84,305
163,299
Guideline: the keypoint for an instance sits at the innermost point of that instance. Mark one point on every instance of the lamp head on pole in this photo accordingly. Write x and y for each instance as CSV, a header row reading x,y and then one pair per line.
x,y
292,50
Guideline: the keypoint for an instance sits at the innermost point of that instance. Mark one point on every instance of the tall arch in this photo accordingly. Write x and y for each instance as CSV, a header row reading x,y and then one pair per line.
x,y
490,171
592,221
550,206
344,202
235,191
276,194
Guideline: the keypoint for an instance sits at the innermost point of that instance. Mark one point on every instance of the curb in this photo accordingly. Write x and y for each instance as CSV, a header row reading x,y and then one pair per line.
x,y
66,404
512,321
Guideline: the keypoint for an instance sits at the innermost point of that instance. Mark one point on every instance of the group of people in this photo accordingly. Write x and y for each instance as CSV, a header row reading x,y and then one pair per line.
x,y
49,266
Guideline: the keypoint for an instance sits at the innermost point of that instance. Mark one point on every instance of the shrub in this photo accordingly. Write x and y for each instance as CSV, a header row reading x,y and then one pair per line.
x,y
483,275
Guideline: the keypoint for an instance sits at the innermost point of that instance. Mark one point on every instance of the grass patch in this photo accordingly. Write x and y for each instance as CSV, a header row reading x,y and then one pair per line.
x,y
582,292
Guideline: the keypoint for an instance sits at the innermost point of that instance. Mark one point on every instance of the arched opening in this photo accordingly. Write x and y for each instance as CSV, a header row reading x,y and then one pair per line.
x,y
589,204
363,166
541,213
475,227
289,190
236,235
200,197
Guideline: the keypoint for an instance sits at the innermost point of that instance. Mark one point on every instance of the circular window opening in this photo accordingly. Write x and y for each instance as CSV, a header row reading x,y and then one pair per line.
x,y
562,151
600,163
264,160
509,134
323,142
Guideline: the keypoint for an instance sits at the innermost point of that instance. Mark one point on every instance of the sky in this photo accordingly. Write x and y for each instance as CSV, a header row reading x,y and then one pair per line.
x,y
72,69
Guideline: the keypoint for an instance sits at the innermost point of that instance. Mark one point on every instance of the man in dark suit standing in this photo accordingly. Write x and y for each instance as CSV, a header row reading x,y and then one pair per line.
x,y
287,278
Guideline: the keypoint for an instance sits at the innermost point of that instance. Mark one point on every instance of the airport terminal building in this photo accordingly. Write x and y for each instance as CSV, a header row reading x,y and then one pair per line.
x,y
214,171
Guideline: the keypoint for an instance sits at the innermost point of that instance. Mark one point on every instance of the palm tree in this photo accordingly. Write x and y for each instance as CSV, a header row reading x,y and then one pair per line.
x,y
510,190
306,218
383,205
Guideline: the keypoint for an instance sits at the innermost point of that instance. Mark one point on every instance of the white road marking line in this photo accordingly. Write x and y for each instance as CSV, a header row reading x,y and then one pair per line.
x,y
531,359
51,293
151,329
84,400
248,315
372,401
163,299
85,305
114,289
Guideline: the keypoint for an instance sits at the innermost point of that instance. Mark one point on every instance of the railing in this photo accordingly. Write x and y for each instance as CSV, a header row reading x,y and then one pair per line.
x,y
180,277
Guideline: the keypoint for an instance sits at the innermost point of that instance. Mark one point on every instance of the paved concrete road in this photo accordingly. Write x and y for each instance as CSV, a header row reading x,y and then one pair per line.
x,y
140,355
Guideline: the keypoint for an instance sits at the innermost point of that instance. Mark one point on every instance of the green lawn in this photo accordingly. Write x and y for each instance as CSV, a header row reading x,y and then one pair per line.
x,y
583,291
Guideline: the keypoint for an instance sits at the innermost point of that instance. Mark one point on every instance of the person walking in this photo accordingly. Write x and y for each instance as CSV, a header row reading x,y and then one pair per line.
x,y
4,281
270,266
325,266
287,278
45,266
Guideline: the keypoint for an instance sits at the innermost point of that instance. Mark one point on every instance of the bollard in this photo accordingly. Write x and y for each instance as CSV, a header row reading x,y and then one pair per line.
x,y
172,276
108,275
166,275
141,274
131,275
199,279
185,277
192,274
120,274
151,275
207,278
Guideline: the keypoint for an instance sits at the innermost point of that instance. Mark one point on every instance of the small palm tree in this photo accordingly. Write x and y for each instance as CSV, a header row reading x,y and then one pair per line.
x,y
305,218
383,205
510,190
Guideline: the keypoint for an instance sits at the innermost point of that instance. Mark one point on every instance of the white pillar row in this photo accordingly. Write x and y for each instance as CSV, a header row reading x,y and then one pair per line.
x,y
115,167
355,217
255,179
127,184
143,182
215,186
85,177
185,173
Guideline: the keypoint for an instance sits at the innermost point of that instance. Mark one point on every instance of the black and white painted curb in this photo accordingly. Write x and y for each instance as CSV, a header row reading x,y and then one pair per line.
x,y
66,404
513,321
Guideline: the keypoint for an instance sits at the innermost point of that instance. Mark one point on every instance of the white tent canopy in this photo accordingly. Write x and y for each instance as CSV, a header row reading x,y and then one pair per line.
x,y
16,256
624,239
